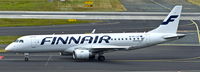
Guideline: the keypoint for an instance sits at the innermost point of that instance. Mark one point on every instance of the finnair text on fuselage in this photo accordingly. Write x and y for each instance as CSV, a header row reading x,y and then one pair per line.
x,y
76,40
86,39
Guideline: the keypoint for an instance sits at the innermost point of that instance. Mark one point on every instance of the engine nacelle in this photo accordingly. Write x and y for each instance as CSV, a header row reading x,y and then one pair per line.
x,y
81,54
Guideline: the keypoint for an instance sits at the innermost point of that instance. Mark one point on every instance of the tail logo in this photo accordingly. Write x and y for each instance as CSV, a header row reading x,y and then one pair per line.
x,y
170,19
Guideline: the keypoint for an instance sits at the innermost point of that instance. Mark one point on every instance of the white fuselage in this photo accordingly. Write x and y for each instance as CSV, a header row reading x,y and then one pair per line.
x,y
66,42
87,46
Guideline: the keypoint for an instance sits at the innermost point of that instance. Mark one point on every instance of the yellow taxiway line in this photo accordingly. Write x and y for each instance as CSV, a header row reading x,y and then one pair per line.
x,y
162,60
179,45
2,50
197,27
193,22
160,4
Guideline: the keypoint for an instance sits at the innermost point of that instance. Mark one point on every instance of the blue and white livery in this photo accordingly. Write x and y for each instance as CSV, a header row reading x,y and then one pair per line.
x,y
91,46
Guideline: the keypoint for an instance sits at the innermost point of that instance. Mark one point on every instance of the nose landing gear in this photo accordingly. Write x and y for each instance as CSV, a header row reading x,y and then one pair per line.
x,y
26,57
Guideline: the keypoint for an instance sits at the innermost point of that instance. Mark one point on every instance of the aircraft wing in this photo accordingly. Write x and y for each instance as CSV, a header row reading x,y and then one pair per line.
x,y
99,48
108,47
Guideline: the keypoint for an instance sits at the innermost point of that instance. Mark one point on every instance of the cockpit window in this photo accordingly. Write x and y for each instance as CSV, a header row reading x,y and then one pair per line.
x,y
16,41
19,41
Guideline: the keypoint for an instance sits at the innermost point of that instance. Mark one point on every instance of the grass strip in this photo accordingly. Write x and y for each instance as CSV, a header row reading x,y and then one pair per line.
x,y
196,2
7,39
57,5
40,22
98,5
27,5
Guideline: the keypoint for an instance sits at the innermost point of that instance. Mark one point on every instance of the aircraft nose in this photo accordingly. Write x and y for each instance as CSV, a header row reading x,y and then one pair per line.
x,y
9,48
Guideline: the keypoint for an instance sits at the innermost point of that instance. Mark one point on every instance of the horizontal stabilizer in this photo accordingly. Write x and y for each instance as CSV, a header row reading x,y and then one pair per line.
x,y
178,36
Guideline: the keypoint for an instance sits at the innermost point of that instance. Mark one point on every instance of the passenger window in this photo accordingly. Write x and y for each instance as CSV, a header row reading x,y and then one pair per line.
x,y
118,38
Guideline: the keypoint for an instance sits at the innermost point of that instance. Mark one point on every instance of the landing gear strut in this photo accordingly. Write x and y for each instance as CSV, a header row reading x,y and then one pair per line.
x,y
101,57
26,57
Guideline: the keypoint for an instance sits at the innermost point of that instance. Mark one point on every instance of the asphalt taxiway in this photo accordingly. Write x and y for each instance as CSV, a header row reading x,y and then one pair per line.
x,y
158,5
174,56
181,55
136,10
107,26
156,58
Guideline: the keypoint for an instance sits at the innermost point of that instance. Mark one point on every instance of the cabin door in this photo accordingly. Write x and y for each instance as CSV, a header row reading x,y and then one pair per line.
x,y
34,42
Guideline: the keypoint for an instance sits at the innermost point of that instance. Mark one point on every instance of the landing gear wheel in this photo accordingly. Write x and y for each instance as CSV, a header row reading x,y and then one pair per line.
x,y
101,58
26,59
74,56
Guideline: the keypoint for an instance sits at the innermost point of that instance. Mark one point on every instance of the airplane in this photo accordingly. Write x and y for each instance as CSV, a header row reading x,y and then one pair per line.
x,y
89,46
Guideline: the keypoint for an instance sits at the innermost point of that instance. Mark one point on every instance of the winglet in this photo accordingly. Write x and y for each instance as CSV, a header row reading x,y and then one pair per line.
x,y
93,31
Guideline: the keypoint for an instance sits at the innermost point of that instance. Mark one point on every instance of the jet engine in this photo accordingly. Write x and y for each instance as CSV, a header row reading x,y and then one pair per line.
x,y
81,54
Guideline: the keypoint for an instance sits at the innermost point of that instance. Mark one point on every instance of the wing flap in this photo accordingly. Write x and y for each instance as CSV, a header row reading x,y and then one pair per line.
x,y
98,48
108,48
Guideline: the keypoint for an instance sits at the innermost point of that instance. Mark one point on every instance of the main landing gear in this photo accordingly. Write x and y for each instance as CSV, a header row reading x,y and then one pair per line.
x,y
26,57
101,57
